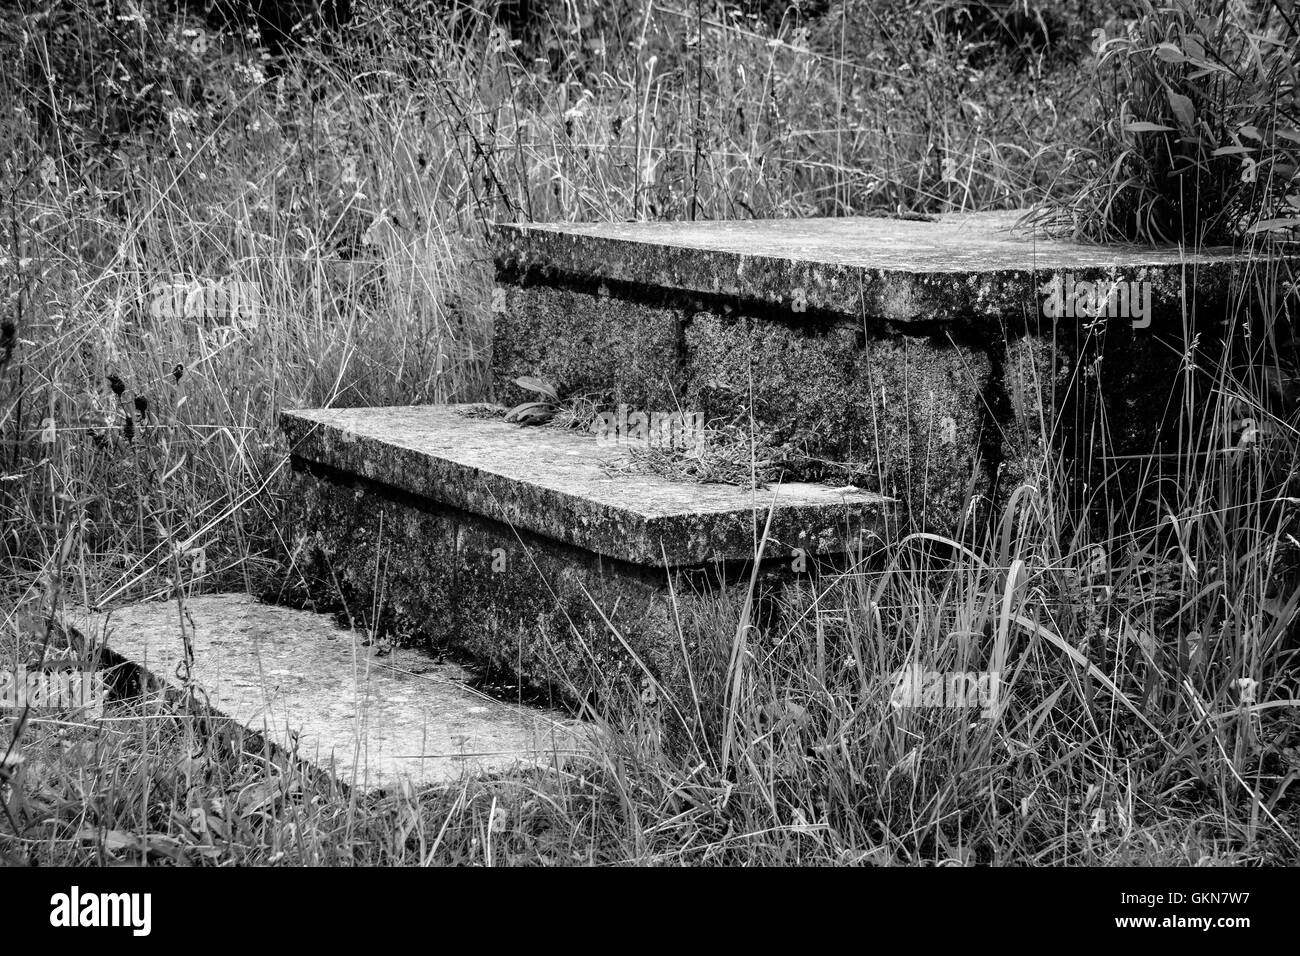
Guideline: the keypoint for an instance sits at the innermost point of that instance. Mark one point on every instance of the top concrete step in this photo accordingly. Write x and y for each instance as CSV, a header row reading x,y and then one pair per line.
x,y
961,265
557,483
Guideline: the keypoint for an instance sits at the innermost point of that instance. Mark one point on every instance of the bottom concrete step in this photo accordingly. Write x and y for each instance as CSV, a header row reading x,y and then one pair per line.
x,y
295,675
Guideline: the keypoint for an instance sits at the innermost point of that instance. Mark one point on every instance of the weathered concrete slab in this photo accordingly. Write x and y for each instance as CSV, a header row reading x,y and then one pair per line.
x,y
311,685
961,266
586,626
535,549
555,483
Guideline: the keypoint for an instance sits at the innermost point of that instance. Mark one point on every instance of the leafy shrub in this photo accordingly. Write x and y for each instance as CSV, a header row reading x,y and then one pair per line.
x,y
1199,134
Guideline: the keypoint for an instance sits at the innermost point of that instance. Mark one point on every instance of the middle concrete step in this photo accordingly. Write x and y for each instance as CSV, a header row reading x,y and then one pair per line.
x,y
543,550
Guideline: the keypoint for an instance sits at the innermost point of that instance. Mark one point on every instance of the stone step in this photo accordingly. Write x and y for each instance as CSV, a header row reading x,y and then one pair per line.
x,y
568,485
952,267
915,354
541,550
314,688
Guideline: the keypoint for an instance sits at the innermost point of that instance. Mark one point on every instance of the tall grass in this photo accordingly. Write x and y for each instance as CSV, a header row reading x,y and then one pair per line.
x,y
350,188
1148,670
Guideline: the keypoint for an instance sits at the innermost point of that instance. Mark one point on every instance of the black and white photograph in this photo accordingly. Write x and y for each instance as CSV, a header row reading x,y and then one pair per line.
x,y
622,434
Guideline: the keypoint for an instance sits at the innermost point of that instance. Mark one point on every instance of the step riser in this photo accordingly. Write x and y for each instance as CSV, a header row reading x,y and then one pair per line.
x,y
911,410
629,350
510,598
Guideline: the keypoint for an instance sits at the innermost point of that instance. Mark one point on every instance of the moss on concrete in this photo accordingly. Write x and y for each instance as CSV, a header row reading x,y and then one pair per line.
x,y
584,342
902,415
550,614
535,609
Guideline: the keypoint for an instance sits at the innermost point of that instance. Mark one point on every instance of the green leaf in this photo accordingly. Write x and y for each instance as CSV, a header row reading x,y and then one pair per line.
x,y
1147,128
1268,225
109,839
1183,109
538,385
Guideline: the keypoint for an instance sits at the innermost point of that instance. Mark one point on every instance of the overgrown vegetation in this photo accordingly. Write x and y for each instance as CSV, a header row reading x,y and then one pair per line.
x,y
1200,107
1151,669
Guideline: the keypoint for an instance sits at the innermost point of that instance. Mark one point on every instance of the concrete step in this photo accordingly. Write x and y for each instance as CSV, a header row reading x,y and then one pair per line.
x,y
951,267
315,689
562,483
537,549
915,354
